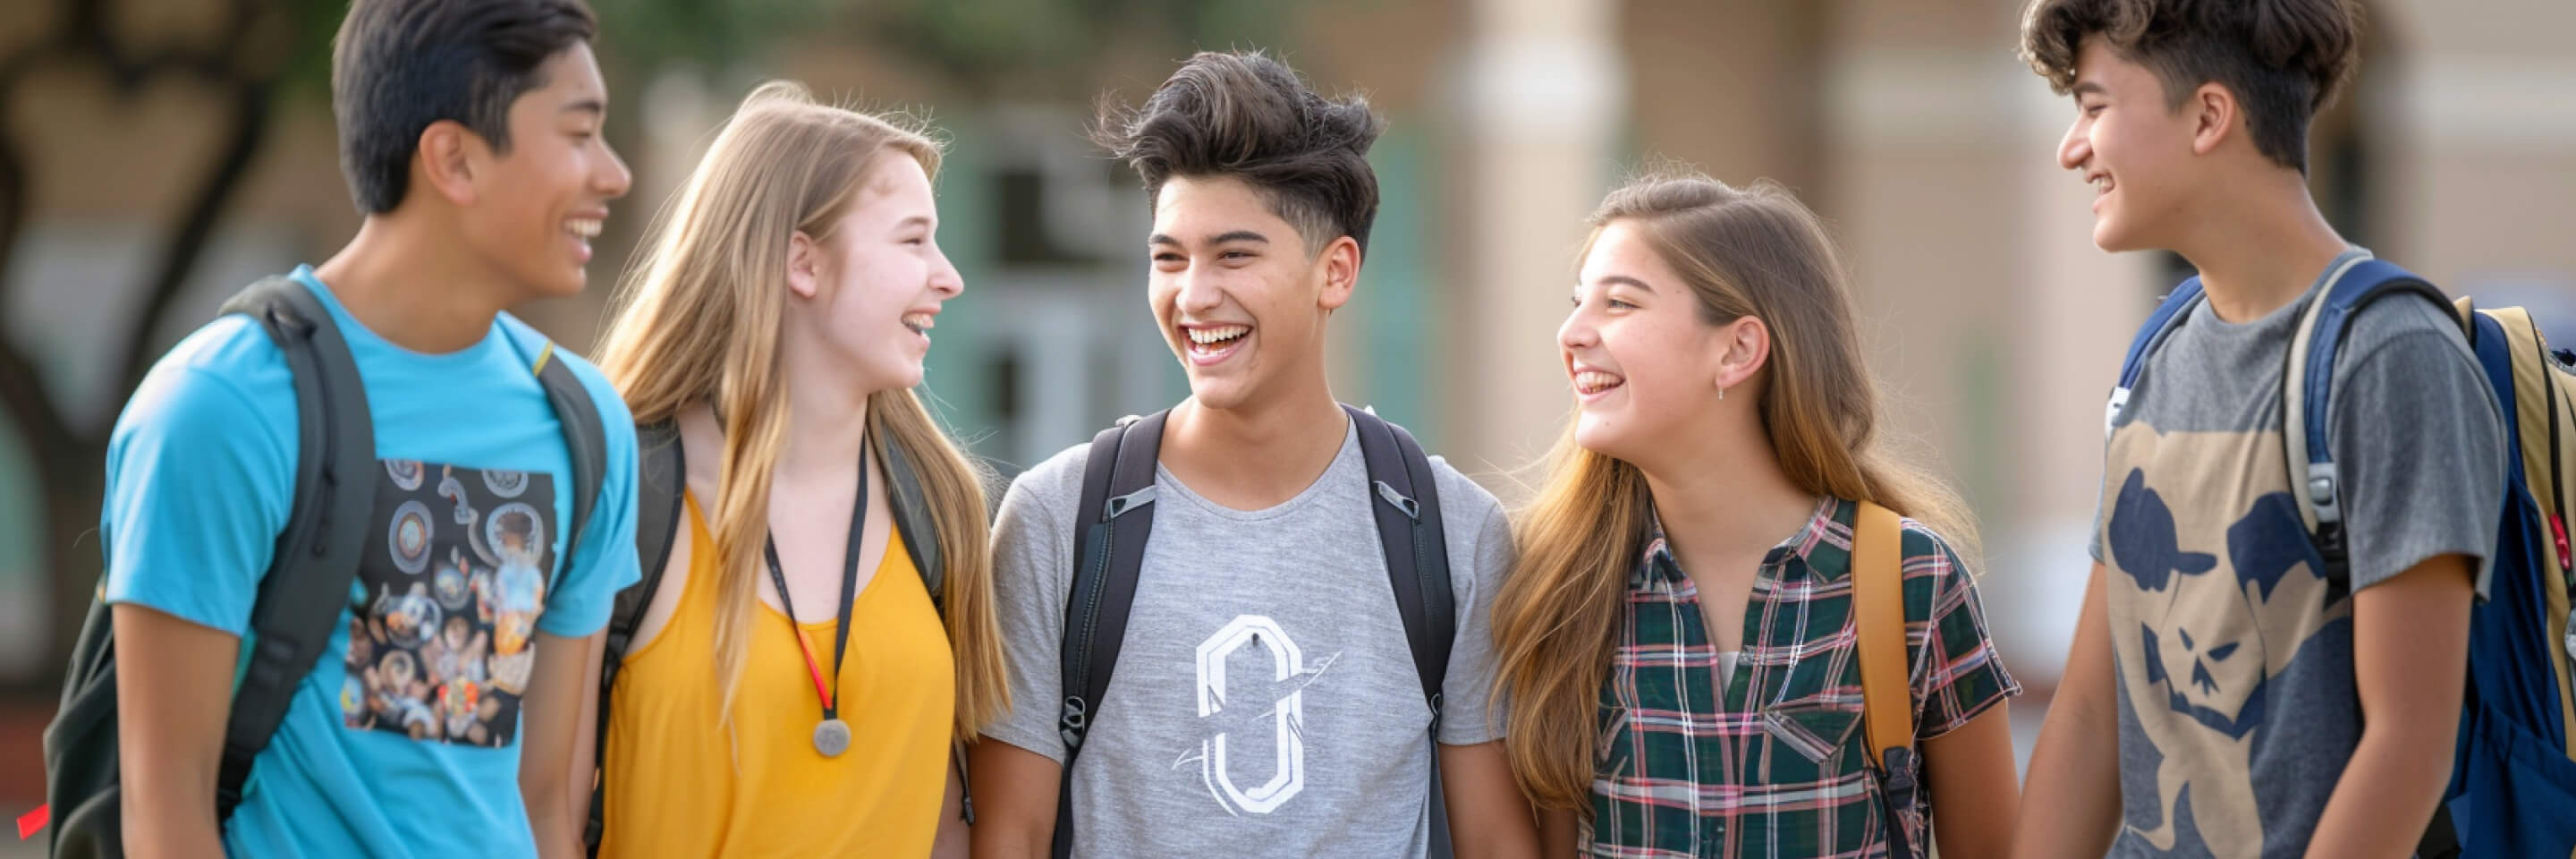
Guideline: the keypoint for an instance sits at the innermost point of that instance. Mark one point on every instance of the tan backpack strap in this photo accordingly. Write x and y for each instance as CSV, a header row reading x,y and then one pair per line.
x,y
1878,611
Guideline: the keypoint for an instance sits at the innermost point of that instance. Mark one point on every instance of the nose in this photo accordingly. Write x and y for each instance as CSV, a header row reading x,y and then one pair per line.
x,y
1197,291
2076,148
1577,332
944,278
613,180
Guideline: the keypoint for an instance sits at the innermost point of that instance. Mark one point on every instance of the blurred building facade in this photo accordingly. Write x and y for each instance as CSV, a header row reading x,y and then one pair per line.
x,y
1909,124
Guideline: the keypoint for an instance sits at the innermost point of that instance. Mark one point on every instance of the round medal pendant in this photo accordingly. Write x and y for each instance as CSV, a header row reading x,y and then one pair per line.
x,y
832,737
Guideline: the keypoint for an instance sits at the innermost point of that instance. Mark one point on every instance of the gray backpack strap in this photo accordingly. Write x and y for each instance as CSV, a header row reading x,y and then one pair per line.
x,y
307,584
912,520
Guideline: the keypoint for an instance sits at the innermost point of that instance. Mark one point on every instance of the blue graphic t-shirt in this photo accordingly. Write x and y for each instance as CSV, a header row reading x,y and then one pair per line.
x,y
2232,642
403,740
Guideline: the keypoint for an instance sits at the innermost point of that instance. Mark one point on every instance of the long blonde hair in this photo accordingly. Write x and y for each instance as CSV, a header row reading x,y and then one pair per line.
x,y
699,325
1744,252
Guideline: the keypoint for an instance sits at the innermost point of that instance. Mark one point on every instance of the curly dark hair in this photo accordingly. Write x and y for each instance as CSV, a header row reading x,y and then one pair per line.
x,y
2284,59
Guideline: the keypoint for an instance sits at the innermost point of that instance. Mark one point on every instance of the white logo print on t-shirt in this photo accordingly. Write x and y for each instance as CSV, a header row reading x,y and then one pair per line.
x,y
1285,719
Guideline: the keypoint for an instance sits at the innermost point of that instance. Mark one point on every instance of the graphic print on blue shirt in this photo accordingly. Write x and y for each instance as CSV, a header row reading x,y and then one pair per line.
x,y
448,594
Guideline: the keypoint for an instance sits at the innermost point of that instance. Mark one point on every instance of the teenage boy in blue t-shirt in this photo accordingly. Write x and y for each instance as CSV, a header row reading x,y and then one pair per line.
x,y
469,133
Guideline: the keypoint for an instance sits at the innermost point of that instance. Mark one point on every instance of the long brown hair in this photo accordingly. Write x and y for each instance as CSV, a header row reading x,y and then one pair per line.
x,y
699,326
1744,252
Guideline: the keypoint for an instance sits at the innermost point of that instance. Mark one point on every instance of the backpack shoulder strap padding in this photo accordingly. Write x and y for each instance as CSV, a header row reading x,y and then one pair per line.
x,y
317,555
1109,550
913,522
2308,382
1878,618
585,443
2169,315
1405,501
1878,612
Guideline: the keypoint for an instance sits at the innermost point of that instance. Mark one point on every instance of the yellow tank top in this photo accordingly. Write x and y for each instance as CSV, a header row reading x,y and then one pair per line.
x,y
677,788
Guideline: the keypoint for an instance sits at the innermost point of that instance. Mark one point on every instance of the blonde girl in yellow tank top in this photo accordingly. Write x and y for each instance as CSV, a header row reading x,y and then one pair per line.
x,y
779,317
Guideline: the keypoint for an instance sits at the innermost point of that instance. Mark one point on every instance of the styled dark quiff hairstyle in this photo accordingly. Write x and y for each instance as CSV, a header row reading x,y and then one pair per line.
x,y
399,65
2284,59
1250,117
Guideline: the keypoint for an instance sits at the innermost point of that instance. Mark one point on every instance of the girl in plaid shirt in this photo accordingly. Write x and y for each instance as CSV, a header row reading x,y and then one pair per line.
x,y
1676,641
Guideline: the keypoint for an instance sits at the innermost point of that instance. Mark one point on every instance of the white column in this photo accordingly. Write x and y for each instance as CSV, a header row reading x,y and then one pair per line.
x,y
1544,98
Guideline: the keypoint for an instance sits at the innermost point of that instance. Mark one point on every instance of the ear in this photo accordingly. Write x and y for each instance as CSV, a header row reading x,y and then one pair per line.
x,y
1744,348
1341,264
2215,114
444,162
804,265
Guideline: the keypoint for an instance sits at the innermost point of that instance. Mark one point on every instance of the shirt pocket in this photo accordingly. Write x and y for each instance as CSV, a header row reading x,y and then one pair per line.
x,y
1817,730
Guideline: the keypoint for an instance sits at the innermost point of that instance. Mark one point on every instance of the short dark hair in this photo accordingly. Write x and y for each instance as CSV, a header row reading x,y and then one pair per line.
x,y
2284,59
399,65
1251,117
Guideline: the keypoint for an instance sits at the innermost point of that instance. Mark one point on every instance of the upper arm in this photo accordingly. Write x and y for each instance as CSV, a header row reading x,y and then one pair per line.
x,y
1030,555
1468,715
1974,787
200,480
2410,642
1958,673
173,687
604,562
1480,789
550,714
2418,443
1015,800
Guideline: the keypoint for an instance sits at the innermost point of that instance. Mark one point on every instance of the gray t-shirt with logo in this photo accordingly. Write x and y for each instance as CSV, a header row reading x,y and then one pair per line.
x,y
2233,640
1265,701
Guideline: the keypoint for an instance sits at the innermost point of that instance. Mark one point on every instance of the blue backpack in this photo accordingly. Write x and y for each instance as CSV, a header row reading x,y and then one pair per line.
x,y
2513,786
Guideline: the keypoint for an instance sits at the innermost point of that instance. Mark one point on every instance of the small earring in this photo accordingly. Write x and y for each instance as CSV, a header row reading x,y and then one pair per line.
x,y
1721,394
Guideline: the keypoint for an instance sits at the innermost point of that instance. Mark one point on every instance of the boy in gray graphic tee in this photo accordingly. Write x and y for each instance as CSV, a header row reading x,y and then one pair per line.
x,y
1266,701
2215,702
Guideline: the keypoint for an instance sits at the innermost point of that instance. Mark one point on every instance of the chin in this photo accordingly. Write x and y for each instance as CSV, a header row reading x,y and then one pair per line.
x,y
1599,435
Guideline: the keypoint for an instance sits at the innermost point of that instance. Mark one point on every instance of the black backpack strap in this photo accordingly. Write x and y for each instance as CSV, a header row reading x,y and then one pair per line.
x,y
912,521
1407,506
1117,480
307,584
1406,501
585,442
661,485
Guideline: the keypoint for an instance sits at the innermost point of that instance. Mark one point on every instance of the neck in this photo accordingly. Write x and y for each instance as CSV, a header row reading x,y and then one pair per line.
x,y
416,293
827,422
1276,442
2261,251
1728,497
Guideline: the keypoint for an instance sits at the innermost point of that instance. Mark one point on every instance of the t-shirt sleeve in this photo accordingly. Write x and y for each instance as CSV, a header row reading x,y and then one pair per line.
x,y
199,483
1957,672
2418,443
1468,715
605,561
1030,553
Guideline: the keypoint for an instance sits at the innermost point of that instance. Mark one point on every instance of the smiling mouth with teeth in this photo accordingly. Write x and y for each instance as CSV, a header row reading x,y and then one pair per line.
x,y
918,323
584,228
1215,338
1591,382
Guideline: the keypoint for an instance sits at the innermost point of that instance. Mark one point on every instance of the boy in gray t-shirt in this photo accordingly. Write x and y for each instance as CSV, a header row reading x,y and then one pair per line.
x,y
2224,662
1266,701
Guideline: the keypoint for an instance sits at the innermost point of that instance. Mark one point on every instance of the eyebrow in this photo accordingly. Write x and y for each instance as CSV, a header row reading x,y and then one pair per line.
x,y
1221,238
588,105
913,221
1624,280
2082,88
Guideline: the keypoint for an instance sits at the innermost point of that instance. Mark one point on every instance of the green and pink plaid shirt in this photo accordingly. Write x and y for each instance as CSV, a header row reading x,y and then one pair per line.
x,y
1774,766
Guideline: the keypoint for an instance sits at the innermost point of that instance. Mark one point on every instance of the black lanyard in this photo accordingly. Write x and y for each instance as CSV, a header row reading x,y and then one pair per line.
x,y
849,580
